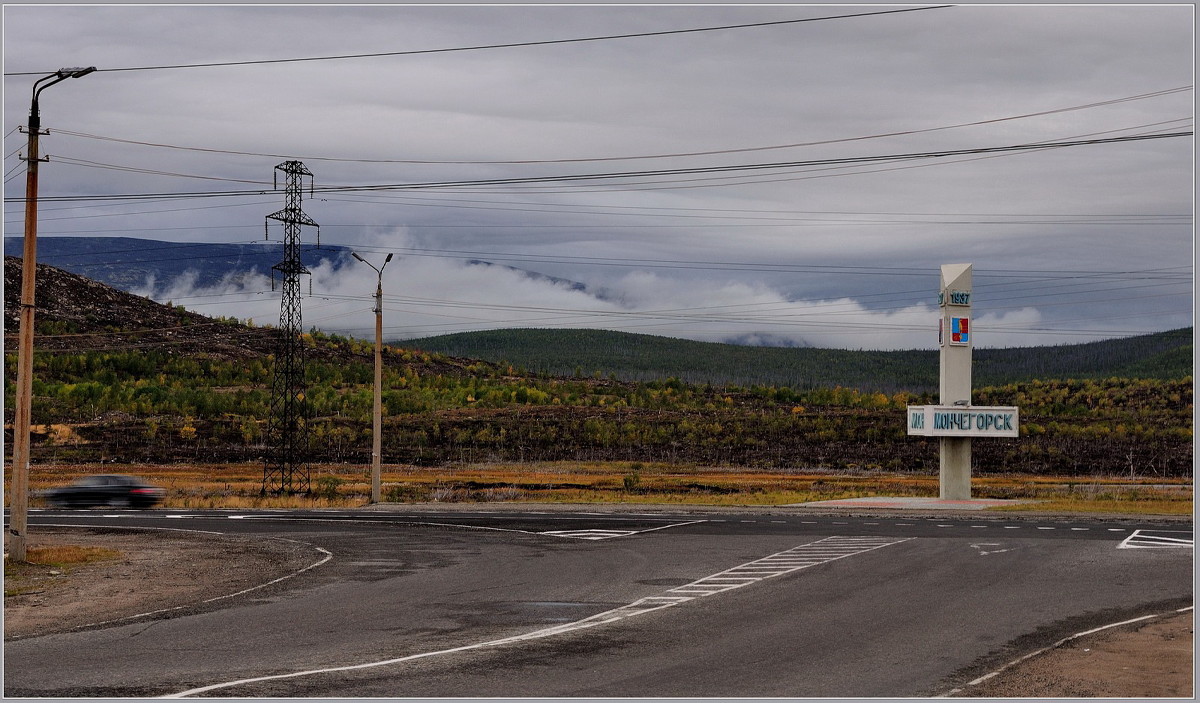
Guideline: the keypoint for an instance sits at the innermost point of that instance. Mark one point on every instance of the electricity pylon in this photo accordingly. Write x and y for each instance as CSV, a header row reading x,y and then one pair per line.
x,y
287,429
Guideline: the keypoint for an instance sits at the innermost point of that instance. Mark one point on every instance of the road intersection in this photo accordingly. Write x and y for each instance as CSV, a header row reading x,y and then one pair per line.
x,y
495,602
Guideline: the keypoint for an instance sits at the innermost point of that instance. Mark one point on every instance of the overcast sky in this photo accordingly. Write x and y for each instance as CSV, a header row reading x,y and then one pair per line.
x,y
1069,244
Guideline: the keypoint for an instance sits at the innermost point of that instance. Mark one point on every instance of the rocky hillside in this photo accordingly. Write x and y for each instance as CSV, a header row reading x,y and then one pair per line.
x,y
77,314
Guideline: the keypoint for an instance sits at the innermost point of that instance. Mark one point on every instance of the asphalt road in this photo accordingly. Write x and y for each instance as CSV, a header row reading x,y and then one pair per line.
x,y
478,602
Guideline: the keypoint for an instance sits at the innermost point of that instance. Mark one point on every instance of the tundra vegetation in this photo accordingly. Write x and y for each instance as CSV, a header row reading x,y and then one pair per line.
x,y
456,430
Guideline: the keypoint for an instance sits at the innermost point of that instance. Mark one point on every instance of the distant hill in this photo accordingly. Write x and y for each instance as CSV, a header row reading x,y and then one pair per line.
x,y
79,315
639,357
127,263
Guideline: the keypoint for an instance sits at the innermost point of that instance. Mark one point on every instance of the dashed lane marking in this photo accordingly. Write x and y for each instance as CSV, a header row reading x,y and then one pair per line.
x,y
1159,539
586,534
603,534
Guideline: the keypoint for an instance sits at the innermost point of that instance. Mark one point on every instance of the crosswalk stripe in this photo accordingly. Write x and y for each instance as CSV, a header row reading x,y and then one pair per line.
x,y
802,557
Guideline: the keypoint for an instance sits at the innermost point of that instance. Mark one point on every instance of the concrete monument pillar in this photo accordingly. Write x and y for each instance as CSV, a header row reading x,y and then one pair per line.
x,y
955,376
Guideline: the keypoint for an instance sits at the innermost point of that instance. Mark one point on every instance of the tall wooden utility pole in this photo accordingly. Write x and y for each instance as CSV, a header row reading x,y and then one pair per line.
x,y
23,416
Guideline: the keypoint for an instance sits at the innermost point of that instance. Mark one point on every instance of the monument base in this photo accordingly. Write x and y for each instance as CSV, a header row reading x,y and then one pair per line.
x,y
954,477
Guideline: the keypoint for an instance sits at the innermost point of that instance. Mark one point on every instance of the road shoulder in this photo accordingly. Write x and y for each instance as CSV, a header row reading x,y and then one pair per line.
x,y
157,570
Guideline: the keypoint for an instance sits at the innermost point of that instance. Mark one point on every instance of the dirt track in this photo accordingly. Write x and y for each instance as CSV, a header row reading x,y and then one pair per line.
x,y
1151,658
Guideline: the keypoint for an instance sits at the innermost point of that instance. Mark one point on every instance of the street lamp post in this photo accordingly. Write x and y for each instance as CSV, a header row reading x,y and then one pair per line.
x,y
19,493
377,434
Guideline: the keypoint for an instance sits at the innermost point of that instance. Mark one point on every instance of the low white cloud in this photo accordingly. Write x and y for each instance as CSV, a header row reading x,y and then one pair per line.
x,y
425,296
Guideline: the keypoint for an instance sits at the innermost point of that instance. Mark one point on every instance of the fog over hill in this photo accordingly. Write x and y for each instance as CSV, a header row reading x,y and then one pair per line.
x,y
77,314
428,294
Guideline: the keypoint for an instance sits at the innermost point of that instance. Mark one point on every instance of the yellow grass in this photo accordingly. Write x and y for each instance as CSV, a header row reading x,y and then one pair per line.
x,y
68,555
239,486
43,565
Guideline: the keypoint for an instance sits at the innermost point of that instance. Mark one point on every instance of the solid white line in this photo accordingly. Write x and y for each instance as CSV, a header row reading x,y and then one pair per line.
x,y
677,524
1063,641
1156,538
327,553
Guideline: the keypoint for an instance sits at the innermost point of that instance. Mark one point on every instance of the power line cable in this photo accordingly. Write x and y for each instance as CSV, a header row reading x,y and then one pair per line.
x,y
603,176
512,45
1043,113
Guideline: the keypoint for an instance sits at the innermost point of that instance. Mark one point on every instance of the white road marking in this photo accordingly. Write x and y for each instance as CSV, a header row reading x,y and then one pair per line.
x,y
1158,539
590,534
1059,643
328,556
984,552
608,534
830,549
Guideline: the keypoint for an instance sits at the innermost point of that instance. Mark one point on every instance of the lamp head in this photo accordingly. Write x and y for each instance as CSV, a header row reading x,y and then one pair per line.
x,y
389,258
355,255
76,72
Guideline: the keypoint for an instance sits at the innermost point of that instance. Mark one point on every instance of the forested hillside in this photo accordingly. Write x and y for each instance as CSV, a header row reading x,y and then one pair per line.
x,y
639,357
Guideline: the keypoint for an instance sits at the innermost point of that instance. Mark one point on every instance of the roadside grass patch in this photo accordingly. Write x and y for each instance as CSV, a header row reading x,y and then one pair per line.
x,y
43,565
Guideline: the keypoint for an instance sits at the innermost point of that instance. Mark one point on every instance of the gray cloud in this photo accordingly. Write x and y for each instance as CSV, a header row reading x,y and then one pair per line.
x,y
1085,209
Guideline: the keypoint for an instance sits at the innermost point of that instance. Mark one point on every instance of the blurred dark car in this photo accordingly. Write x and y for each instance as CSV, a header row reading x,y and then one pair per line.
x,y
113,490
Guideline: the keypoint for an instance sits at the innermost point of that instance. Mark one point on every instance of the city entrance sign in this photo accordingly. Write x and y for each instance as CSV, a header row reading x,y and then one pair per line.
x,y
955,421
963,421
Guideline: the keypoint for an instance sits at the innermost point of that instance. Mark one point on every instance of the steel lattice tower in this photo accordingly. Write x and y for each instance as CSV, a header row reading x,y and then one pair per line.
x,y
287,430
